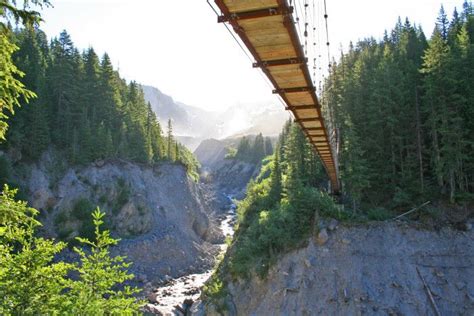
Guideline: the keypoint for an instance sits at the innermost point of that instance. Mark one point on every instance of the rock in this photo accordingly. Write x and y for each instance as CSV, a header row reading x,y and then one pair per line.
x,y
167,278
460,285
333,224
142,278
468,226
345,241
187,303
322,237
154,310
153,298
99,163
133,220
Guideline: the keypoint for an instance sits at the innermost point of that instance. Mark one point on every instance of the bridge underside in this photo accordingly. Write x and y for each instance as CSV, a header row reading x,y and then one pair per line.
x,y
268,30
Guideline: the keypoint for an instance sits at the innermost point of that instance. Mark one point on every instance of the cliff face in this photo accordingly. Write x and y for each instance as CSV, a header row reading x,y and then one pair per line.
x,y
230,176
366,269
164,218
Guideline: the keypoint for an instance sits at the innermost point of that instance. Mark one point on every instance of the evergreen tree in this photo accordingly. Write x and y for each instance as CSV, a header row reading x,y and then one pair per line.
x,y
258,149
170,142
268,146
243,149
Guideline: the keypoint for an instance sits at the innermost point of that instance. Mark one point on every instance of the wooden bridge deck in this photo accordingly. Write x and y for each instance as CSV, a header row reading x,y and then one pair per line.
x,y
268,30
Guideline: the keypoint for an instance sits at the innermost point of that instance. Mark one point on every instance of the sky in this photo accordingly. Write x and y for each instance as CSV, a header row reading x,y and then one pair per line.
x,y
178,46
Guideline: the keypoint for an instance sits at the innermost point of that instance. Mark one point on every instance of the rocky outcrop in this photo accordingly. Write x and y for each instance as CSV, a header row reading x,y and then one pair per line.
x,y
232,176
228,175
364,270
163,217
211,152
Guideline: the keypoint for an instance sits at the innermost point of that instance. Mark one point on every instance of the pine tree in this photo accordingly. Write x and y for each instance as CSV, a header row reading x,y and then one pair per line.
x,y
243,149
258,149
268,146
171,154
276,185
442,23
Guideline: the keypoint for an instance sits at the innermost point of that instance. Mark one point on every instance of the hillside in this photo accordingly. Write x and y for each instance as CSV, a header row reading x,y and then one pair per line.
x,y
210,152
381,279
166,220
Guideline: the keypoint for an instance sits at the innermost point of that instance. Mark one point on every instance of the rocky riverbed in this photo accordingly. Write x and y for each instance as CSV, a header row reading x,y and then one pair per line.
x,y
176,295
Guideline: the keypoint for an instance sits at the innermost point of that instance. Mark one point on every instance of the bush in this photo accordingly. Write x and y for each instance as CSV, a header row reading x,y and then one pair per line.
x,y
82,209
379,214
45,286
231,152
60,218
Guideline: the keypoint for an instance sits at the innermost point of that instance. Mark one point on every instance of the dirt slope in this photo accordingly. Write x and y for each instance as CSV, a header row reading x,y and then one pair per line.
x,y
365,270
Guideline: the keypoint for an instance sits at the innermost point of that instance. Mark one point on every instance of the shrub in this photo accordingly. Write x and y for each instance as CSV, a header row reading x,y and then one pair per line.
x,y
44,287
82,209
60,218
379,214
231,152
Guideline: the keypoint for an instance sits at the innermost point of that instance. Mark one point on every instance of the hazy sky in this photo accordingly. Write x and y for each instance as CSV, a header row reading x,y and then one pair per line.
x,y
177,45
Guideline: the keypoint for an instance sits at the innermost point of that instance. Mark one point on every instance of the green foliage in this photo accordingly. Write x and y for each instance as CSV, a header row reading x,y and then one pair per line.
x,y
60,219
215,288
33,283
187,158
11,89
123,195
30,283
255,151
82,209
231,153
93,293
404,109
379,214
11,12
84,109
280,207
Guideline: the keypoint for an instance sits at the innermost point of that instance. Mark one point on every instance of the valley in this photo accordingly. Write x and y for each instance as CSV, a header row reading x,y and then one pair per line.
x,y
340,184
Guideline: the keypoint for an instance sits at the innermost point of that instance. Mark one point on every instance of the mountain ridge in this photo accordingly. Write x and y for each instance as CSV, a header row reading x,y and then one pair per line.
x,y
235,121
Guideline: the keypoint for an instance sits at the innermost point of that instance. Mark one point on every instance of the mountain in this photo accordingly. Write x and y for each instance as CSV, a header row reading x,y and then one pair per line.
x,y
194,124
187,120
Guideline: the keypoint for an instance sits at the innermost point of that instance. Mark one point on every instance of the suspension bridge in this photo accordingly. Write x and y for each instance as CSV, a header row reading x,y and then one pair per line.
x,y
268,29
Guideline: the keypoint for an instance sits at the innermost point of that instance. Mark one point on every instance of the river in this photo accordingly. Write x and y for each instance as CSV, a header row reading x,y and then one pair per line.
x,y
187,288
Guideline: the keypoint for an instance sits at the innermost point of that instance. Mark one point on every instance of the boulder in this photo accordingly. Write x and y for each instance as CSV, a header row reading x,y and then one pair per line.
x,y
322,237
333,224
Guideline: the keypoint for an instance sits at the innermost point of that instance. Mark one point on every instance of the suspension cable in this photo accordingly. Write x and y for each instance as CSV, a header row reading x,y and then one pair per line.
x,y
327,33
232,33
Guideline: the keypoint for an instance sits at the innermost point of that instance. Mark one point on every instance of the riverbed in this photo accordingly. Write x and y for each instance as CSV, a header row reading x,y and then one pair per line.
x,y
177,293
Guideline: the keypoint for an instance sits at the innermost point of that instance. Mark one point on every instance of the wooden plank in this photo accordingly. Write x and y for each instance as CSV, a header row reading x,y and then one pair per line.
x,y
288,68
249,5
270,40
270,51
280,54
285,84
299,98
271,22
301,107
311,124
306,113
